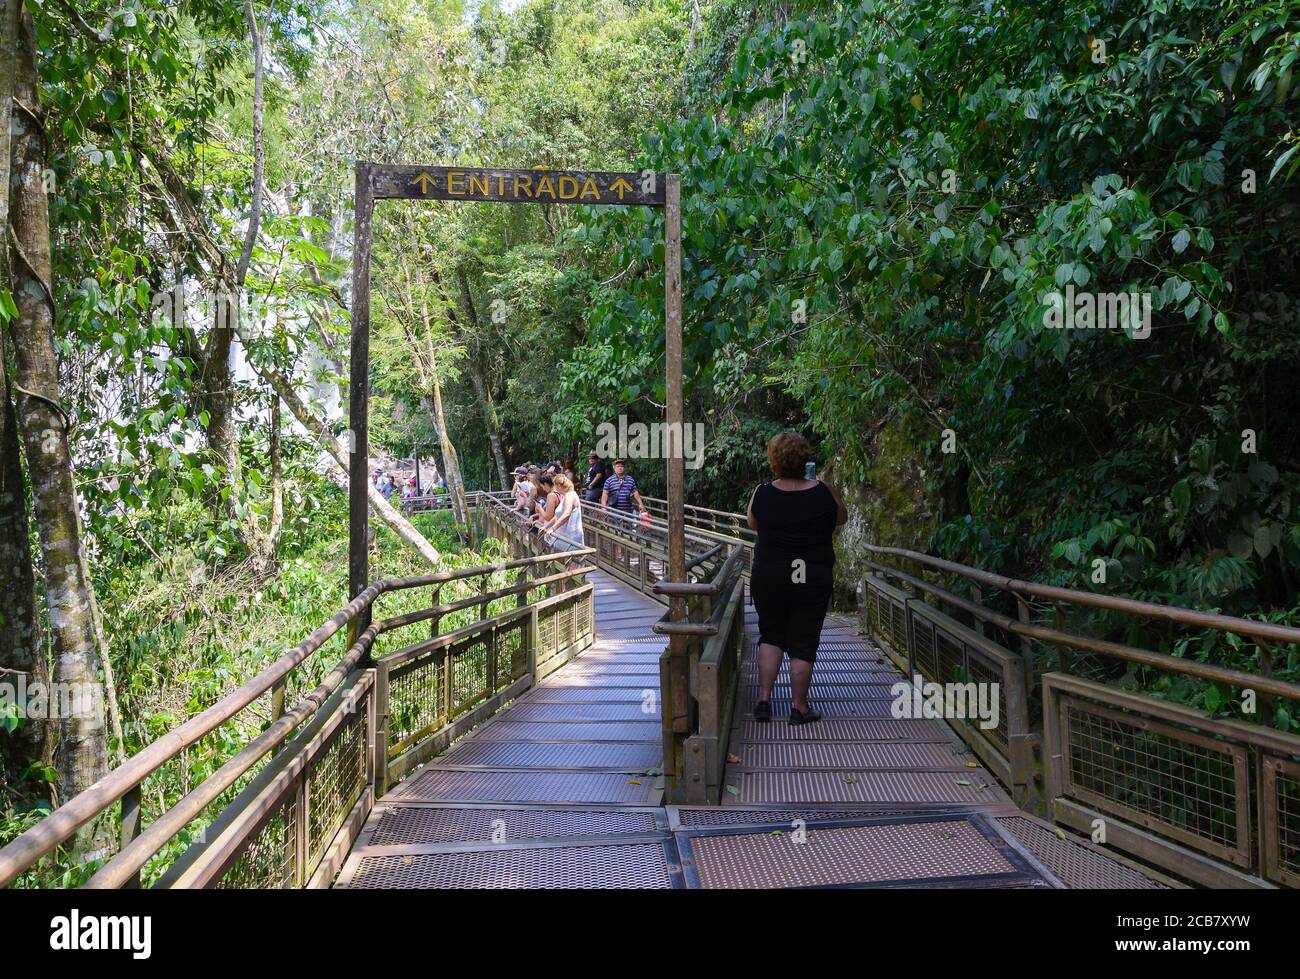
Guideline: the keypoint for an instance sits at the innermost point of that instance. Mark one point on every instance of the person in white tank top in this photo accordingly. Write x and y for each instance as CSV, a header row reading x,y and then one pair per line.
x,y
567,521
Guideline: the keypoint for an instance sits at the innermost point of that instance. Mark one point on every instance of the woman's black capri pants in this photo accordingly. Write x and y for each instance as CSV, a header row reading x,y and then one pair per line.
x,y
790,615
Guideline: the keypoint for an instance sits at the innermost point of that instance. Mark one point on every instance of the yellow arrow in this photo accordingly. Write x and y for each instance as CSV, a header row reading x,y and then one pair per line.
x,y
424,180
622,186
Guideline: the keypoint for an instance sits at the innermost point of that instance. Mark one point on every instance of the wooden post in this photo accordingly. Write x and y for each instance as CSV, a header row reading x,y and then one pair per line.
x,y
677,696
132,804
1267,712
359,402
1023,647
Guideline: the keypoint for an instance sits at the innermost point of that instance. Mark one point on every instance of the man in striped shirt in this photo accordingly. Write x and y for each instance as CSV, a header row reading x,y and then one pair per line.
x,y
620,491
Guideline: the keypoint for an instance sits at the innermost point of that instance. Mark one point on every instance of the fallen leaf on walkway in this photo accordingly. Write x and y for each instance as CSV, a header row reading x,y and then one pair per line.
x,y
734,759
1060,834
962,781
972,764
733,790
633,781
850,779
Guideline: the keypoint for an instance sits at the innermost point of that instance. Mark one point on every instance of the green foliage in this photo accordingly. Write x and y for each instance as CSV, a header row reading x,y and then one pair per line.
x,y
888,195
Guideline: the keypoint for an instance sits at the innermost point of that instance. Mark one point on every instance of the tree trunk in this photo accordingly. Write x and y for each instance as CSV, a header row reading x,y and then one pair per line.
x,y
20,623
223,437
450,463
82,755
277,479
489,418
445,449
491,421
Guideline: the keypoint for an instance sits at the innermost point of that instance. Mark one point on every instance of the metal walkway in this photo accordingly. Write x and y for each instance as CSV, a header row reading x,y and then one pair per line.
x,y
561,790
858,753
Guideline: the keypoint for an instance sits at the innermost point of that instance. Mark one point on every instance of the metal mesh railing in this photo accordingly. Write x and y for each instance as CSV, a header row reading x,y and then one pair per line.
x,y
1158,776
270,860
1281,829
335,783
981,684
1222,792
1209,799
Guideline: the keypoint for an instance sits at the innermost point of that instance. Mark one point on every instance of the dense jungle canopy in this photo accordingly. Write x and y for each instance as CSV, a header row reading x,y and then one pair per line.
x,y
877,197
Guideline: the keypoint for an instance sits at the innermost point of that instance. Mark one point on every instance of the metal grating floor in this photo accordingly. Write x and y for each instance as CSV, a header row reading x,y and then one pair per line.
x,y
844,729
858,786
832,691
934,851
859,752
524,754
429,825
541,710
584,732
625,866
592,695
1075,863
839,756
831,709
442,785
693,817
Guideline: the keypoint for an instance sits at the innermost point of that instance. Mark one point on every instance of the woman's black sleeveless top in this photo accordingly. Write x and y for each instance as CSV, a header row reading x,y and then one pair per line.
x,y
794,524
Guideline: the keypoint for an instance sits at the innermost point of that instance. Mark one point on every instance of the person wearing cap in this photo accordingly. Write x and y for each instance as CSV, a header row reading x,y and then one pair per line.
x,y
620,492
596,473
523,491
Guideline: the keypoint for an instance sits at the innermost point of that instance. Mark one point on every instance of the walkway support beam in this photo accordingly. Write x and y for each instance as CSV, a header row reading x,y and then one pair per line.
x,y
358,442
676,714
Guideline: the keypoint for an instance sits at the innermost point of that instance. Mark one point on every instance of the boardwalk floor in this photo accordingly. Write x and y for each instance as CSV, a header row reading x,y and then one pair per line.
x,y
562,789
858,753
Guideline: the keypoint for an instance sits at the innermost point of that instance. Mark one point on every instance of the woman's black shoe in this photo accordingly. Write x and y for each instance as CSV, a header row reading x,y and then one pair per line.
x,y
803,717
763,711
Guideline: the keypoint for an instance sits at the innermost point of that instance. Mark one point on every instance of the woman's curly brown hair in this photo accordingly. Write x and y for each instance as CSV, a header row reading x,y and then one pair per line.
x,y
788,452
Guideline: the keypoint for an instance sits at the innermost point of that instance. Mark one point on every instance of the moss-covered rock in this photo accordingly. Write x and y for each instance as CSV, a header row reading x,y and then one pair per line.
x,y
893,506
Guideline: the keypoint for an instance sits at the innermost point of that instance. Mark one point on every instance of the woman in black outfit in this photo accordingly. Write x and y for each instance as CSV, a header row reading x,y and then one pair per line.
x,y
790,581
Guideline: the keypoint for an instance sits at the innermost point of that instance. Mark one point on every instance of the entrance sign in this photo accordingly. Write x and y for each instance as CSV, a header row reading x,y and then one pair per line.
x,y
541,186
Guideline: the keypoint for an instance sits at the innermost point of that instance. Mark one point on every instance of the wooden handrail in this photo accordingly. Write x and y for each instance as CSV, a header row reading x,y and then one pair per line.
x,y
1130,606
1131,654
